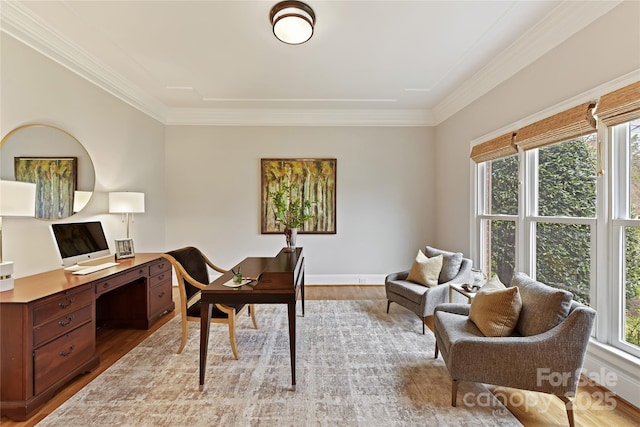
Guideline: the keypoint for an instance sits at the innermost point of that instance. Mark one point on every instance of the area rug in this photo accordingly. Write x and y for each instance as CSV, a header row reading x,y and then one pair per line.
x,y
356,366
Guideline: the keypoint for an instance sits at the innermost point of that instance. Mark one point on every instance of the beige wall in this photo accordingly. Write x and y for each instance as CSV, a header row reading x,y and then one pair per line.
x,y
603,51
398,188
126,146
384,194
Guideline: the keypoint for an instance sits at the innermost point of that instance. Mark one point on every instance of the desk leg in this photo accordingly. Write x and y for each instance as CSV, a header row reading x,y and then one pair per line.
x,y
450,294
292,341
205,323
302,295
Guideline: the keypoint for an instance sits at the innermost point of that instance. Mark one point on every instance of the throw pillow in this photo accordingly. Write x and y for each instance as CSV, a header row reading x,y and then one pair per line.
x,y
543,307
425,270
495,309
451,262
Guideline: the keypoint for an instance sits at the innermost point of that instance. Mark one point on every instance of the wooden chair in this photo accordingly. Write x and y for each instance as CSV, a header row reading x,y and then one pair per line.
x,y
192,275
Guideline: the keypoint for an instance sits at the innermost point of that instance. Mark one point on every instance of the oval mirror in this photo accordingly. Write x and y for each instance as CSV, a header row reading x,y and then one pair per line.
x,y
55,161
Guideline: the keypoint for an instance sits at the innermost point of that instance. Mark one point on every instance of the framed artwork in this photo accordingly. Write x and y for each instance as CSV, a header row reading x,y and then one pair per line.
x,y
55,179
124,248
311,181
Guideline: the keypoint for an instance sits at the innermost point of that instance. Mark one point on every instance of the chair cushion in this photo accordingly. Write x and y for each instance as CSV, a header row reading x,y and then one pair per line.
x,y
451,327
495,309
425,270
543,307
408,290
451,262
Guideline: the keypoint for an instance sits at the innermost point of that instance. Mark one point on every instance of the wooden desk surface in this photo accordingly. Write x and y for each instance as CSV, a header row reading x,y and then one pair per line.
x,y
32,288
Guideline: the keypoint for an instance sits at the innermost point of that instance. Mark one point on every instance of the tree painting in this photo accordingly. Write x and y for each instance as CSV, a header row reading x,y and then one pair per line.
x,y
312,182
55,180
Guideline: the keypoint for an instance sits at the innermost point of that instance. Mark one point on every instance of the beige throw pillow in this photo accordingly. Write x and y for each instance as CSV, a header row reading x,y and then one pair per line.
x,y
496,308
424,270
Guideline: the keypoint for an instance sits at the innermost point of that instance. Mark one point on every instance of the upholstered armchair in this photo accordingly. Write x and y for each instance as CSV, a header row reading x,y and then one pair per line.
x,y
421,299
544,353
191,267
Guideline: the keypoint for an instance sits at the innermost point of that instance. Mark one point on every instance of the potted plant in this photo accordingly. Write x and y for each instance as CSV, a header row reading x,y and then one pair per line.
x,y
290,212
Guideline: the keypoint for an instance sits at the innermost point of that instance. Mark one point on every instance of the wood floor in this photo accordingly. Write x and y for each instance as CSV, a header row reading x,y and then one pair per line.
x,y
548,411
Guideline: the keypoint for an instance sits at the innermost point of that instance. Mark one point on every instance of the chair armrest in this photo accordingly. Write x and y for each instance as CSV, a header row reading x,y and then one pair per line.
x,y
181,273
462,309
402,275
212,265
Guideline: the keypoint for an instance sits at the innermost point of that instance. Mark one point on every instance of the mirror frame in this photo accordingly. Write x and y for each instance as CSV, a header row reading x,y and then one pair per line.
x,y
84,173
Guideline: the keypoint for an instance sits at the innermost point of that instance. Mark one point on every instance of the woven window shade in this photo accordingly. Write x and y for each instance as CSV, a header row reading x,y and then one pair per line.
x,y
572,123
620,106
493,149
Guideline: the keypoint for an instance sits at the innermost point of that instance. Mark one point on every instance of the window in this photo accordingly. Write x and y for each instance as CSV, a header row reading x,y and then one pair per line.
x,y
499,208
626,232
563,189
545,212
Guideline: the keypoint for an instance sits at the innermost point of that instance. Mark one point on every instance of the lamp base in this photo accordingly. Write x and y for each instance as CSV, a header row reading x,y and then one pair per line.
x,y
6,281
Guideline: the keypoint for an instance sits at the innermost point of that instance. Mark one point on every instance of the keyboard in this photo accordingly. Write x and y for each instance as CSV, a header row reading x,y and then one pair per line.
x,y
94,268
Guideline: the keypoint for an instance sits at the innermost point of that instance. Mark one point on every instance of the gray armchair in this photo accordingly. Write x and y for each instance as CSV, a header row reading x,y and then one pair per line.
x,y
549,343
423,300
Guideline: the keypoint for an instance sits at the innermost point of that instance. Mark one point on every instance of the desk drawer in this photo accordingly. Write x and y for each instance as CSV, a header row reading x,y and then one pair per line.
x,y
113,282
160,297
53,361
160,266
159,279
61,325
62,304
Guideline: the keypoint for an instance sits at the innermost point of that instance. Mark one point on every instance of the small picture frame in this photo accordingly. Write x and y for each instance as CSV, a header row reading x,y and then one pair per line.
x,y
124,248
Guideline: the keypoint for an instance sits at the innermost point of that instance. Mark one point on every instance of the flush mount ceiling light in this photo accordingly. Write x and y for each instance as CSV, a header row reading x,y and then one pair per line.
x,y
292,21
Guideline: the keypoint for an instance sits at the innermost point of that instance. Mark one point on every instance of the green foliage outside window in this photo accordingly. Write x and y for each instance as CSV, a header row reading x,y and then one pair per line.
x,y
566,187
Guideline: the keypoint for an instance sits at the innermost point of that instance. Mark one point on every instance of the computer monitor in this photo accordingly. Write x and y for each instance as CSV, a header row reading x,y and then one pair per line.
x,y
79,241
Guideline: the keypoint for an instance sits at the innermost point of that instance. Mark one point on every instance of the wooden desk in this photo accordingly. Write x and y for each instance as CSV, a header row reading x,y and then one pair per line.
x,y
48,324
281,279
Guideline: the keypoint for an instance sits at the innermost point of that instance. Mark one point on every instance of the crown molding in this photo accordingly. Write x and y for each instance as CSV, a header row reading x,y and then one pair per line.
x,y
569,17
19,22
563,22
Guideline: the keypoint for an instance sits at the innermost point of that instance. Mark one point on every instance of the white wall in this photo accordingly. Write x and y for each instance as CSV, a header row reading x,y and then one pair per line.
x,y
126,146
385,195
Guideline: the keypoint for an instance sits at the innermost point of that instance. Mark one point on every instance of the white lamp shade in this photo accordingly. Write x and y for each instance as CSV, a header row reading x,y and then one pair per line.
x,y
126,202
80,199
17,198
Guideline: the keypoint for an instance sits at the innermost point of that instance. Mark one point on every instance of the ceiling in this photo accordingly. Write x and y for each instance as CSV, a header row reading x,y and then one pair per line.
x,y
368,63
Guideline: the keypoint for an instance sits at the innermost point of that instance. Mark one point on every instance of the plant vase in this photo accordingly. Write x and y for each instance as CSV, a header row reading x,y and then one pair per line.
x,y
290,235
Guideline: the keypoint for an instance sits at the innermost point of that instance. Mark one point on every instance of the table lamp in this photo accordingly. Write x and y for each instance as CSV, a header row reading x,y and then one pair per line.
x,y
126,203
16,199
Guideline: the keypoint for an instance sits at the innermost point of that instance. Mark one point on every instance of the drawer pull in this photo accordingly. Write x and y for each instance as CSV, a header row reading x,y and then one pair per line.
x,y
63,305
161,277
66,353
69,320
161,294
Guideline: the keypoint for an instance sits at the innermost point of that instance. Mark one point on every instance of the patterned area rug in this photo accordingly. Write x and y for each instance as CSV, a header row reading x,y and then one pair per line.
x,y
356,366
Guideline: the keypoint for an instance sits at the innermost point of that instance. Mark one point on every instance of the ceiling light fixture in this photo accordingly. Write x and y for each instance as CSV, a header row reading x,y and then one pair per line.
x,y
292,21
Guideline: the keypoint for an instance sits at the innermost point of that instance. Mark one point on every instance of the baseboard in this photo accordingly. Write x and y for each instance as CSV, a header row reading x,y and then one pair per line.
x,y
614,370
344,279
